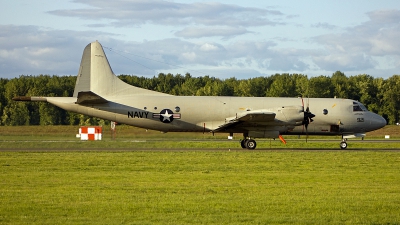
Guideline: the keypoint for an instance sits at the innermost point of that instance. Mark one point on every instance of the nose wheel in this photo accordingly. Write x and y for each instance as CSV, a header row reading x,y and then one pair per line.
x,y
343,144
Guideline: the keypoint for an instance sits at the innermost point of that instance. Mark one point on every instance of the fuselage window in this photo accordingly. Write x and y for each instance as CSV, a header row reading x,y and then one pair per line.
x,y
363,107
357,107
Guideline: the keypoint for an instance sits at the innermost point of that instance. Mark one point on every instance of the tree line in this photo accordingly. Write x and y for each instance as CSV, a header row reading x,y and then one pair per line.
x,y
379,95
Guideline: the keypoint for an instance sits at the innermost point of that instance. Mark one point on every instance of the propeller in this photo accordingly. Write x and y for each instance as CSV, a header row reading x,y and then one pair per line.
x,y
307,116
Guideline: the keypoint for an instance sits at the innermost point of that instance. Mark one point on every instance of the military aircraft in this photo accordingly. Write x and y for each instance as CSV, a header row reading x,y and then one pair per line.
x,y
99,93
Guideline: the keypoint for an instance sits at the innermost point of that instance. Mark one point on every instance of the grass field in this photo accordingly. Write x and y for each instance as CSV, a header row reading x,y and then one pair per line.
x,y
42,183
63,137
195,187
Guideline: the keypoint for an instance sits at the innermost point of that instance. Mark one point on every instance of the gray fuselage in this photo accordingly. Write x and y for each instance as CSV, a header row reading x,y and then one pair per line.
x,y
204,113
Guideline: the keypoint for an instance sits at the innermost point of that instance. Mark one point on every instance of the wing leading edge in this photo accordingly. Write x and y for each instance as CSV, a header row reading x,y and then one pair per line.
x,y
275,120
256,117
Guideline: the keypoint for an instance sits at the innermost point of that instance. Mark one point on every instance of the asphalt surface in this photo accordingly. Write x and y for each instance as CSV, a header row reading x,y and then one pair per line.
x,y
238,149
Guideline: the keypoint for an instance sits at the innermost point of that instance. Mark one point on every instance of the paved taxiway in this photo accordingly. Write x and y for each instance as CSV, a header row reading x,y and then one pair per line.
x,y
110,149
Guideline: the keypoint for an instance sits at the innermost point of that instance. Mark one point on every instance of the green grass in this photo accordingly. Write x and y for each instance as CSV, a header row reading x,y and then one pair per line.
x,y
200,187
47,176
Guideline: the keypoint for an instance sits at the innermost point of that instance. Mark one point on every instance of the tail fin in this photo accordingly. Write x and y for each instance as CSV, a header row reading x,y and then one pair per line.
x,y
95,75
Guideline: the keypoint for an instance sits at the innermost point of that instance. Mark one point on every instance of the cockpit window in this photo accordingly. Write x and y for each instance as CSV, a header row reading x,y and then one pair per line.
x,y
357,107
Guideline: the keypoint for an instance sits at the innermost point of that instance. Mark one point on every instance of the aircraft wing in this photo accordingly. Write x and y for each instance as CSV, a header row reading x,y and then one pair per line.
x,y
252,117
257,117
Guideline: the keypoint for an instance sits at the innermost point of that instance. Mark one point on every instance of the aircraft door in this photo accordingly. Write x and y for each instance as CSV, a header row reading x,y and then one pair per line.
x,y
334,128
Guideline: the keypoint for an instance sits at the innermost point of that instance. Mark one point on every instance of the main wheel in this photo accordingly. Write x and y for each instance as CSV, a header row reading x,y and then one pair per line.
x,y
343,145
243,143
250,144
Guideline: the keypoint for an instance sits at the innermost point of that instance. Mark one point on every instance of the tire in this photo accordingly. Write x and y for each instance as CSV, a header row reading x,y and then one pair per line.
x,y
343,145
250,144
243,143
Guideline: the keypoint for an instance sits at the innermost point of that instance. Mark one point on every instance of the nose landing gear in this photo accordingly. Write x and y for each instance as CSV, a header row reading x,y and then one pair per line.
x,y
343,144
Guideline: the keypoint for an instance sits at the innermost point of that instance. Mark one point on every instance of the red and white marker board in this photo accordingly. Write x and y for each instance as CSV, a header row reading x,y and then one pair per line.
x,y
91,133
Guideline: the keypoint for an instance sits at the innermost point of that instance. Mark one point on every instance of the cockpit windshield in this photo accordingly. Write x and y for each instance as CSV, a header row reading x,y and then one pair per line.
x,y
357,107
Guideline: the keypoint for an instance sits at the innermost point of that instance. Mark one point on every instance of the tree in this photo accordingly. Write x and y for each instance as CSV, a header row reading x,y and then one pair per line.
x,y
3,100
259,86
321,87
301,85
362,88
15,114
191,86
340,84
379,95
214,88
282,86
244,88
391,99
378,100
49,114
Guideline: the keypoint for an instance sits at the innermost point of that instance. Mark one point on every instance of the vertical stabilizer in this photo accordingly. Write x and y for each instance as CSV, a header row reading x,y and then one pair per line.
x,y
95,75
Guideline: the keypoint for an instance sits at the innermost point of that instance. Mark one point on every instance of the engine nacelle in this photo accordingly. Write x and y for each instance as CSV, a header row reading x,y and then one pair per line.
x,y
293,115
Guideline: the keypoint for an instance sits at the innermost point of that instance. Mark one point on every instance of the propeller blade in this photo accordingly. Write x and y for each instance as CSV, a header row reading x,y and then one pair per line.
x,y
307,116
307,130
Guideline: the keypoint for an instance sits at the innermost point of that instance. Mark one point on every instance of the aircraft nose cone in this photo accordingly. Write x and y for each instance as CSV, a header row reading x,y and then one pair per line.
x,y
378,122
382,122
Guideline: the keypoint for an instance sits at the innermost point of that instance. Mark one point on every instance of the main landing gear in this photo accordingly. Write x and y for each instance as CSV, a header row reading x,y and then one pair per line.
x,y
248,143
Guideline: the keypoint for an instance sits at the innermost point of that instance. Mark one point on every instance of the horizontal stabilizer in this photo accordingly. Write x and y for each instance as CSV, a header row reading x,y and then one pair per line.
x,y
88,97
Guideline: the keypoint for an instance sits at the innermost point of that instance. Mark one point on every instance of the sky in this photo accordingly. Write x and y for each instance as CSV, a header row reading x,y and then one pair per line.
x,y
222,39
